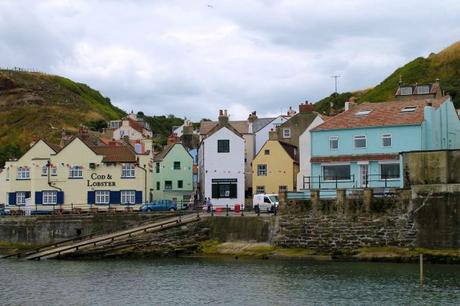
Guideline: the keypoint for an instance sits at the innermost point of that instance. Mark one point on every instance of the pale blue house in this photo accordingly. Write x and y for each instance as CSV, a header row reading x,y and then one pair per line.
x,y
361,147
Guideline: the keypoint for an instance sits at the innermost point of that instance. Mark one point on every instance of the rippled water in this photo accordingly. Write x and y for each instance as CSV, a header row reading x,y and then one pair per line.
x,y
223,281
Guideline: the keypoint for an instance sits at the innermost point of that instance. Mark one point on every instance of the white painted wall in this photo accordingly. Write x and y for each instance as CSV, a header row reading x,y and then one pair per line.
x,y
305,152
214,165
262,135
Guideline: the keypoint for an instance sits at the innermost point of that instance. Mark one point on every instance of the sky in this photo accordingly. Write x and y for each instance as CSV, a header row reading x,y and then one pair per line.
x,y
192,58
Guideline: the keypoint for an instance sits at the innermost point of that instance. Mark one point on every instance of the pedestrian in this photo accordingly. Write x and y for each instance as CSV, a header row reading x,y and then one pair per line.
x,y
209,205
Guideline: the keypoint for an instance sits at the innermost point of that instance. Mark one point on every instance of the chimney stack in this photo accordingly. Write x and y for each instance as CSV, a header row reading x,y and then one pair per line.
x,y
350,103
306,107
252,116
223,117
188,128
272,135
172,139
290,112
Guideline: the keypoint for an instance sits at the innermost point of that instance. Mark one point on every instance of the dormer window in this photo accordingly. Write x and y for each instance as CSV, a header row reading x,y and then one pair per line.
x,y
363,113
405,91
423,89
408,109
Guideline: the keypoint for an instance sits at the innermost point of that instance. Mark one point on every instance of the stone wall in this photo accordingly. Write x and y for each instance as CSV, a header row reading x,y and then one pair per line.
x,y
49,229
431,167
346,223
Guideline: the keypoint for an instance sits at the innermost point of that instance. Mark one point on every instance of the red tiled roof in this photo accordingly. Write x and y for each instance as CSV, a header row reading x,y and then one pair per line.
x,y
133,123
347,158
381,114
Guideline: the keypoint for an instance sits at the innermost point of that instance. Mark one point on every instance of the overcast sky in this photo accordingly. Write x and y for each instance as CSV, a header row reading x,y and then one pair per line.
x,y
192,57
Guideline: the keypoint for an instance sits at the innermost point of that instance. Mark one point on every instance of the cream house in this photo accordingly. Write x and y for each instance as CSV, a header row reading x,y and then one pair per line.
x,y
77,175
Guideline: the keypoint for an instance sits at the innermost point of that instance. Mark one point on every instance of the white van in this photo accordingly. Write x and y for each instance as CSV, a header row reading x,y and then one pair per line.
x,y
265,202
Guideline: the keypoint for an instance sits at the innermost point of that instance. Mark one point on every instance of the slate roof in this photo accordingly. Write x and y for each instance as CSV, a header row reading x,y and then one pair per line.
x,y
291,150
381,114
260,123
241,126
160,156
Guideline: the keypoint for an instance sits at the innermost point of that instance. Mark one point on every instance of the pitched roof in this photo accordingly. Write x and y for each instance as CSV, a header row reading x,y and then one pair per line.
x,y
115,153
290,149
135,125
241,126
161,155
260,123
380,114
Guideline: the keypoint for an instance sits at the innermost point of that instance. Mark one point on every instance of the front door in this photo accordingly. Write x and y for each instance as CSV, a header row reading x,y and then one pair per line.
x,y
364,171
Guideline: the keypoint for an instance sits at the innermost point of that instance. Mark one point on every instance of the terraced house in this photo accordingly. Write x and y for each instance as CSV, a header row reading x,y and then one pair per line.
x,y
361,147
77,175
173,172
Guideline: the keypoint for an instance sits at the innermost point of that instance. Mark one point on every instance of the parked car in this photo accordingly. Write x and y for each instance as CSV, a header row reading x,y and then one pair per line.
x,y
160,205
265,202
4,211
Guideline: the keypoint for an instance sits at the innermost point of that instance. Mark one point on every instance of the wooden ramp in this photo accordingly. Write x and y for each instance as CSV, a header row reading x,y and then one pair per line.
x,y
106,239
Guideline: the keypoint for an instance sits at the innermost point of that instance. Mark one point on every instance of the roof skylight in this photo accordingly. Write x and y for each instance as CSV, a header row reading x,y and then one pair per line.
x,y
408,109
363,113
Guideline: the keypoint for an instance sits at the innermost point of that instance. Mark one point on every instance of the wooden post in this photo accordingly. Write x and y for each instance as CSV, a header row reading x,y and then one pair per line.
x,y
421,269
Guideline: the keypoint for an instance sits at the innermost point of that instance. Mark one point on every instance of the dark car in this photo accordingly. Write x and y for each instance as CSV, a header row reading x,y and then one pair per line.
x,y
160,205
4,211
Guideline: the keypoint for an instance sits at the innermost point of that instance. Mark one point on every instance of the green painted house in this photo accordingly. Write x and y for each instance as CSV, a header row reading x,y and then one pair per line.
x,y
173,173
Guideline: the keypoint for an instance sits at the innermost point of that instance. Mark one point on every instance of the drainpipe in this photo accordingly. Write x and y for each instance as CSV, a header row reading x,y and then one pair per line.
x,y
48,165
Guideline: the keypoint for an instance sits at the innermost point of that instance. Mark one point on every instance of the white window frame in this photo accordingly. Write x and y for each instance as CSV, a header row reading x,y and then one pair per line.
x,y
406,93
424,92
359,137
288,134
21,198
23,173
389,163
102,197
262,173
387,136
260,189
336,164
45,170
128,197
128,171
49,197
76,172
333,138
7,174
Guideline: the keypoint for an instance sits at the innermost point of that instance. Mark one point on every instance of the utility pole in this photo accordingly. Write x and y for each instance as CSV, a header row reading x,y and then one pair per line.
x,y
335,77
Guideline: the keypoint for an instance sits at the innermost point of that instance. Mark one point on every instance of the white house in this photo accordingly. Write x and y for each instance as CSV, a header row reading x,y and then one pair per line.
x,y
221,164
262,127
305,152
131,126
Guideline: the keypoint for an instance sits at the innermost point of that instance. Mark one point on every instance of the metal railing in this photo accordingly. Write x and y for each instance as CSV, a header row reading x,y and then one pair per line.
x,y
349,182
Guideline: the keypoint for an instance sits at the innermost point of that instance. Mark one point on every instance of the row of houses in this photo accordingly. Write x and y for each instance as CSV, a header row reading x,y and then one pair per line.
x,y
228,161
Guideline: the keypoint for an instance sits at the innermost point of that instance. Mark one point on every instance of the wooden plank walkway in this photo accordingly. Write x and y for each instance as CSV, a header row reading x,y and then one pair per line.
x,y
110,238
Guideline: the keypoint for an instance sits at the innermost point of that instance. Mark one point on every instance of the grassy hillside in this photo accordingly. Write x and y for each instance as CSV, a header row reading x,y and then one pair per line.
x,y
444,65
42,105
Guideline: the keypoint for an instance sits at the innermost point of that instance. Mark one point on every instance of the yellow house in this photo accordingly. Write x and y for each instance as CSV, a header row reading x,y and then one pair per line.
x,y
77,175
275,167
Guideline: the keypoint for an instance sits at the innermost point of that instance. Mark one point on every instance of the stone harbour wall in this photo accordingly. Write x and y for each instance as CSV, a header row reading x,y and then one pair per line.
x,y
332,224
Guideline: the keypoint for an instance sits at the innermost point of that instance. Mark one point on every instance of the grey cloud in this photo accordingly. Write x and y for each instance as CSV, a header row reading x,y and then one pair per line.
x,y
185,58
